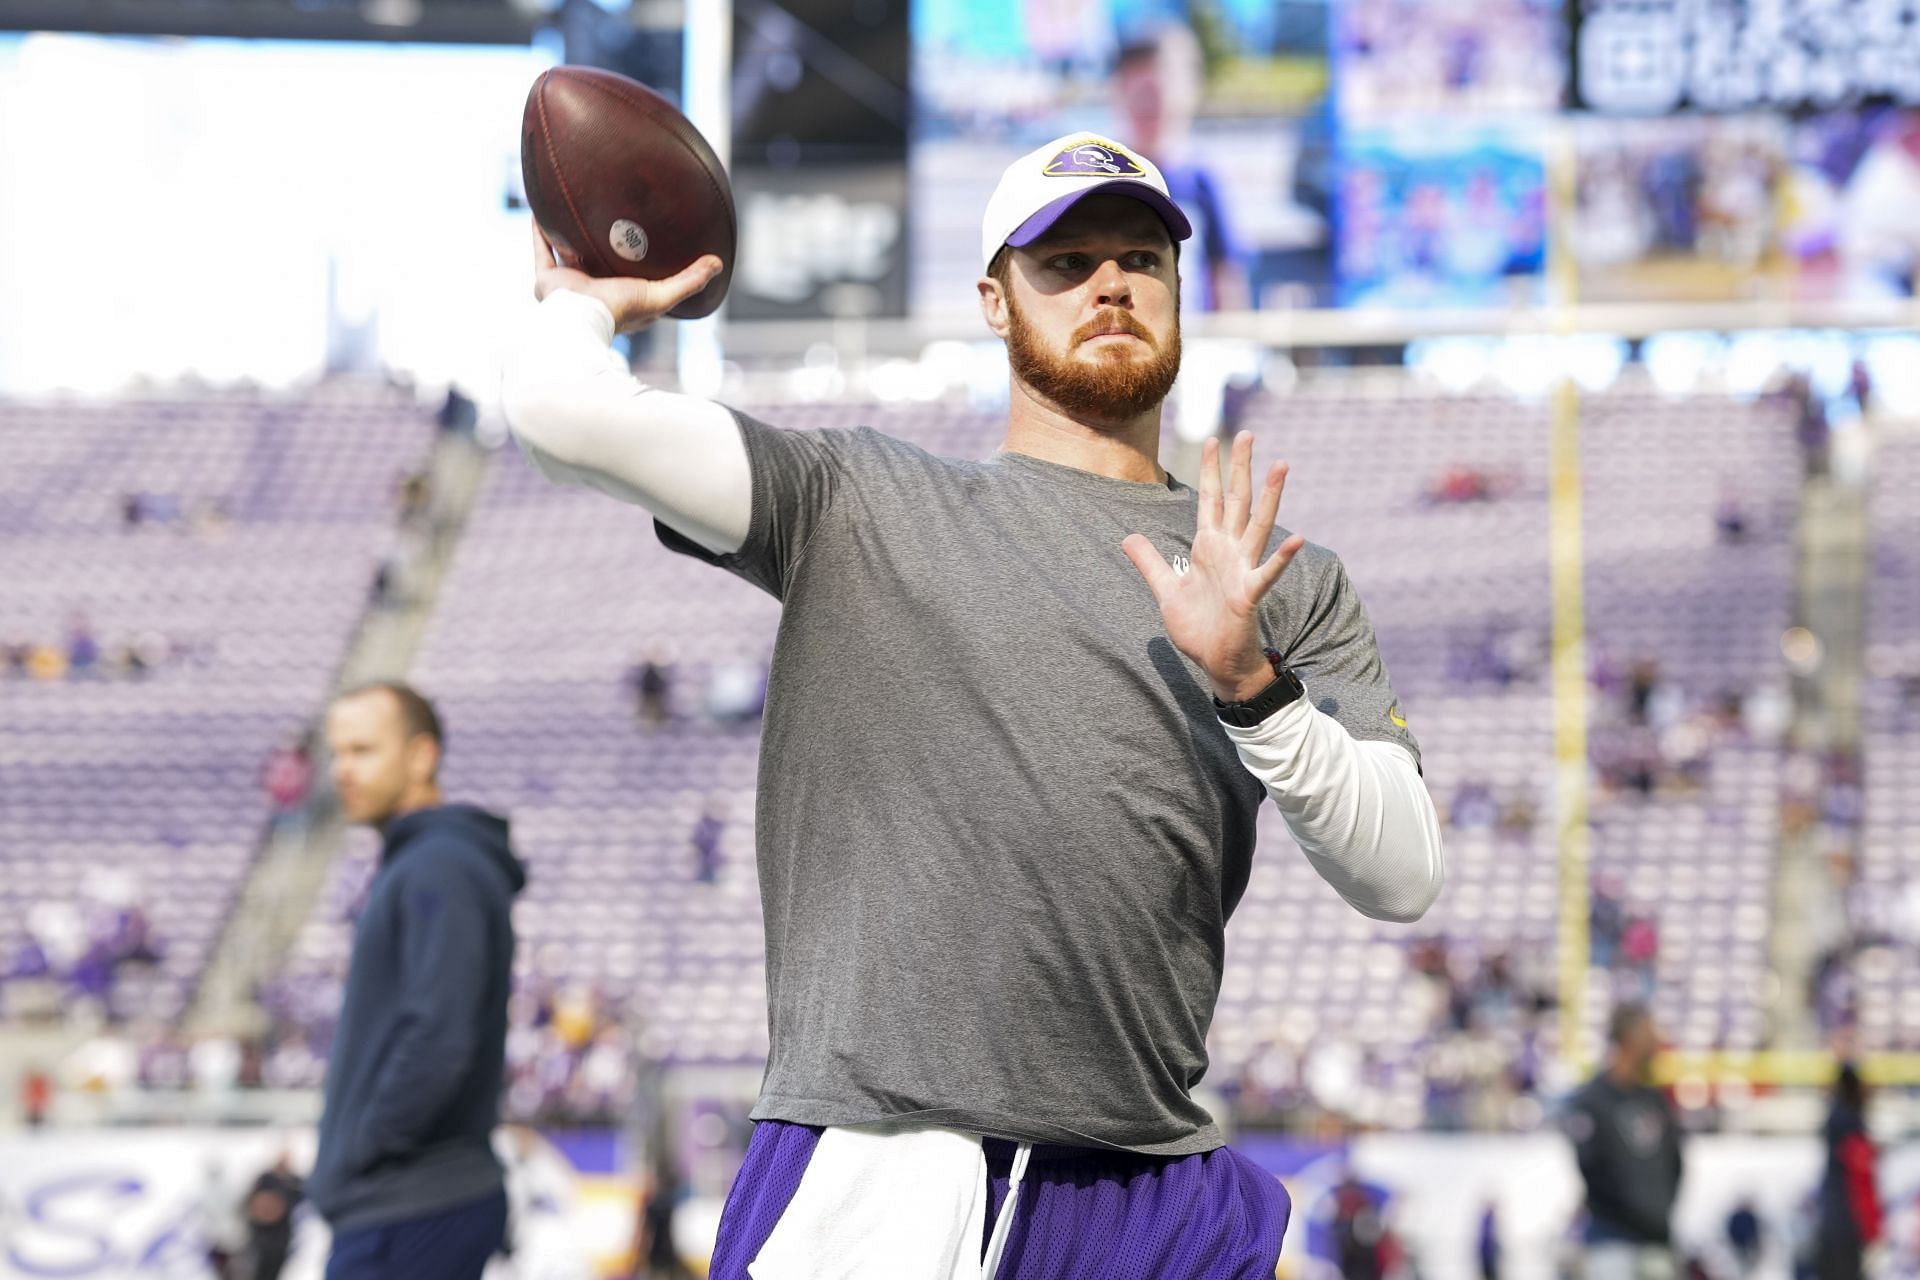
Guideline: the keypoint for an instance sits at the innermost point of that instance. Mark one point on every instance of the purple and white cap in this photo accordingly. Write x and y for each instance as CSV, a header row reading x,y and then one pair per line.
x,y
1043,184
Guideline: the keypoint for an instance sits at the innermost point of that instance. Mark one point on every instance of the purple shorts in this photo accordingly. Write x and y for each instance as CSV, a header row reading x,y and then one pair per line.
x,y
1082,1214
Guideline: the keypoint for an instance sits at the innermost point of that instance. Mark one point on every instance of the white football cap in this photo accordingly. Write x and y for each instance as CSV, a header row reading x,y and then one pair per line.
x,y
1043,184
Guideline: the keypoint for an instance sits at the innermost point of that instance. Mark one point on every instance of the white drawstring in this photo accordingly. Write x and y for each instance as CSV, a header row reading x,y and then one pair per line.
x,y
1003,1222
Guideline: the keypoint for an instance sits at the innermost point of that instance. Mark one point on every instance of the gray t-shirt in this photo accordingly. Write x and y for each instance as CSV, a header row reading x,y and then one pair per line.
x,y
1000,828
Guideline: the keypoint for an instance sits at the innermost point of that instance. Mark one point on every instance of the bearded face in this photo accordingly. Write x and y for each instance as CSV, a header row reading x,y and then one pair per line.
x,y
1112,368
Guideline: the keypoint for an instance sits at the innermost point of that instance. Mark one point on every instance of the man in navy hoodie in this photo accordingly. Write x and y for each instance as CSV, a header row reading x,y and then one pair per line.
x,y
406,1173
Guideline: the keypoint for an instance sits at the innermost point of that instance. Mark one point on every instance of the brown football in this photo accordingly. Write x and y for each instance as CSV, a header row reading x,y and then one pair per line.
x,y
622,183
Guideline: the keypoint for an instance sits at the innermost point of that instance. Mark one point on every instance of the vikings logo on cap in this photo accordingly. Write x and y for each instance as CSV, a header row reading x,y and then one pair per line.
x,y
1092,158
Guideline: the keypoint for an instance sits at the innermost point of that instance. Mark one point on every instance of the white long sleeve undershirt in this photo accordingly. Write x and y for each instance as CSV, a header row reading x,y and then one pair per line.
x,y
583,418
1358,809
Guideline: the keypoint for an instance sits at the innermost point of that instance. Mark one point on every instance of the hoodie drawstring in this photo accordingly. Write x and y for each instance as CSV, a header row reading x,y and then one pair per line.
x,y
1003,1222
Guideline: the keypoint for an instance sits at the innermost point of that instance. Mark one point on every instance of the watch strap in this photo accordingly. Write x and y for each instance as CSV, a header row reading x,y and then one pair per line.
x,y
1284,691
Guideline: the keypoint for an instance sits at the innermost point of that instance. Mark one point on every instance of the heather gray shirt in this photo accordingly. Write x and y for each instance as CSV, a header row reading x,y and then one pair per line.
x,y
1000,829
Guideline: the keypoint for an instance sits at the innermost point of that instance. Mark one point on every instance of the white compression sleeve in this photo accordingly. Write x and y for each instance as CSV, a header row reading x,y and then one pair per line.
x,y
1358,809
583,419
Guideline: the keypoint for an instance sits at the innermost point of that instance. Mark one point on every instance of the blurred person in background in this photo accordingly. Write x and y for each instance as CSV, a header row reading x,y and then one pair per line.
x,y
1626,1138
1358,1231
406,1174
36,1096
219,1216
656,1256
650,681
83,647
706,842
1745,1236
1850,1216
1158,80
1489,1242
276,1193
287,778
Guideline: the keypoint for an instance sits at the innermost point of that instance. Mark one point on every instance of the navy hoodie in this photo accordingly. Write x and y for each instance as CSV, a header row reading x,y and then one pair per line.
x,y
413,1082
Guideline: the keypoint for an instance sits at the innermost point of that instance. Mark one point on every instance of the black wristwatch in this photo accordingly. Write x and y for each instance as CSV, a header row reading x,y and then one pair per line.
x,y
1286,687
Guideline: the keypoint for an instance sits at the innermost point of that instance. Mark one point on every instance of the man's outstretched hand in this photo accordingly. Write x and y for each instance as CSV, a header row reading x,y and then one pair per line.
x,y
635,303
1212,612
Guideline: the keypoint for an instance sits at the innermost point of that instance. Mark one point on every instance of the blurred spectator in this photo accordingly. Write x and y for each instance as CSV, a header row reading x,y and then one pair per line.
x,y
221,1221
1643,682
457,415
1358,1231
1744,1239
575,1018
287,779
1627,1142
389,575
45,662
1810,427
1158,80
1730,517
132,940
706,845
650,679
656,1257
393,576
269,1212
83,648
128,661
1860,386
1850,1216
415,499
1639,952
1458,484
36,1096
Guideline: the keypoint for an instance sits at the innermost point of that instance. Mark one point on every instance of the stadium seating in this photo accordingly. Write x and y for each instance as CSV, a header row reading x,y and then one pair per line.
x,y
1445,578
1884,906
239,582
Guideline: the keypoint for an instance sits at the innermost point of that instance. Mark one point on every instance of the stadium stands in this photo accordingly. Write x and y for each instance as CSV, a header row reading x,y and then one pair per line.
x,y
182,579
1438,507
1883,901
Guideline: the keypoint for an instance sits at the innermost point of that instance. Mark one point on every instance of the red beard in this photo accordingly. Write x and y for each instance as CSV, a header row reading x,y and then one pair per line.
x,y
1115,386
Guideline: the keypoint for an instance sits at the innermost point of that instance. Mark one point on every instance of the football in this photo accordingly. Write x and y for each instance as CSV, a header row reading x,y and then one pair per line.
x,y
622,183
